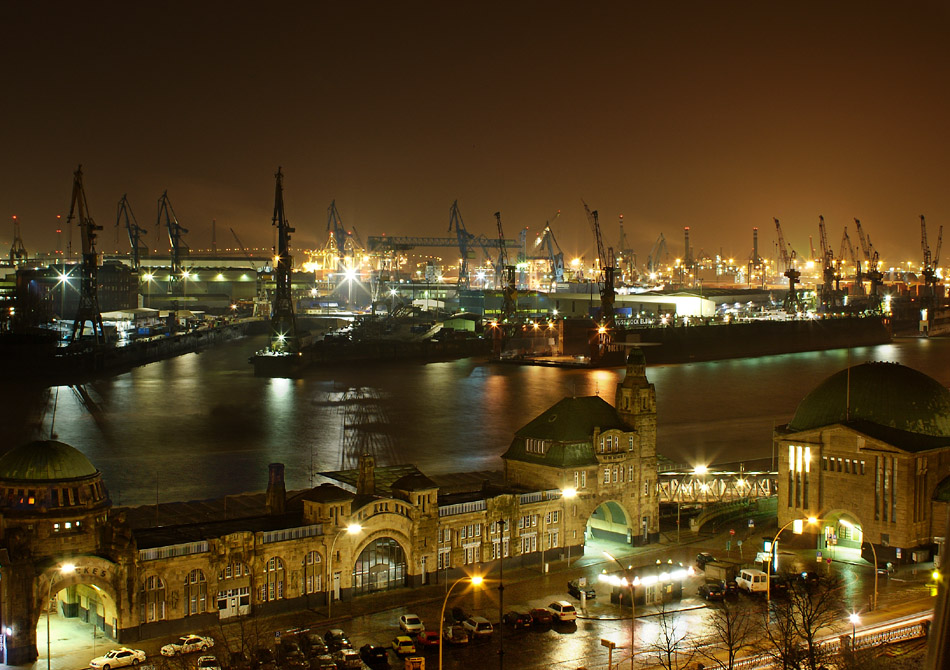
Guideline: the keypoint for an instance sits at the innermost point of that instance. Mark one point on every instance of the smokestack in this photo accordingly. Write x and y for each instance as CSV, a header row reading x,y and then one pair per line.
x,y
755,246
687,260
366,479
276,492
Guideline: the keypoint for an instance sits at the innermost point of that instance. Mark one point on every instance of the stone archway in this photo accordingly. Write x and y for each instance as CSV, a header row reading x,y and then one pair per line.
x,y
840,532
610,522
75,593
381,565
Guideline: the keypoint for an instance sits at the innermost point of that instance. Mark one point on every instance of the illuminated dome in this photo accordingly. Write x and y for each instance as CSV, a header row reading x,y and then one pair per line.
x,y
884,394
45,461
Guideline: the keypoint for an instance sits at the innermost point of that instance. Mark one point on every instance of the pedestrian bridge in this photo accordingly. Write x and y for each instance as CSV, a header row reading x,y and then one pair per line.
x,y
716,486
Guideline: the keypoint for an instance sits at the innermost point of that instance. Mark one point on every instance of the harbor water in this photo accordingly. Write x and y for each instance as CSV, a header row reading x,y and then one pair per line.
x,y
201,425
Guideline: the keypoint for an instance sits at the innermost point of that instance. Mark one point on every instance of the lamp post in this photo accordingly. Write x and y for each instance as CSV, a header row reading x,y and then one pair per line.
x,y
476,580
798,531
855,620
848,524
65,569
630,585
351,529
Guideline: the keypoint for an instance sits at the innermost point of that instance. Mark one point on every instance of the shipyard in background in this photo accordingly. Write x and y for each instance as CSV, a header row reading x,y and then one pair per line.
x,y
515,299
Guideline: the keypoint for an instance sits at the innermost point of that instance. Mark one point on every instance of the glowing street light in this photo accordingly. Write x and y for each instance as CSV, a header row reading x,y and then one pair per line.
x,y
629,583
351,529
855,620
798,529
476,581
65,569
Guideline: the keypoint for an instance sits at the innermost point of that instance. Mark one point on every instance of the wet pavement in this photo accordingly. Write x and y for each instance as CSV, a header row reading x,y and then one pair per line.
x,y
373,618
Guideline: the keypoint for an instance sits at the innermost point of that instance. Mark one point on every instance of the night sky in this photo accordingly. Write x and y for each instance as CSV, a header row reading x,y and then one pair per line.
x,y
716,115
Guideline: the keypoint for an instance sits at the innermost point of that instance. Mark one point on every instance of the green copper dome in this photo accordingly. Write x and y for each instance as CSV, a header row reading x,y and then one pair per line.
x,y
45,461
885,394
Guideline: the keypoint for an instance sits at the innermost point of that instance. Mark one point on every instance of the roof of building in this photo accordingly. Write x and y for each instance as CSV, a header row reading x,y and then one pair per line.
x,y
568,427
885,395
942,491
45,461
384,476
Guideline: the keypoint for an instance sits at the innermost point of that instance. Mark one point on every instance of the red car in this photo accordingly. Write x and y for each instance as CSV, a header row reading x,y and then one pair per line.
x,y
428,639
541,616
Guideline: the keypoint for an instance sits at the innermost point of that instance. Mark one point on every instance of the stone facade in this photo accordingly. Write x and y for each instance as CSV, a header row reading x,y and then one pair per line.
x,y
180,567
868,469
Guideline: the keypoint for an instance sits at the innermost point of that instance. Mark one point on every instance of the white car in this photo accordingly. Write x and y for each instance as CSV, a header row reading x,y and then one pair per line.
x,y
118,658
562,610
411,623
187,644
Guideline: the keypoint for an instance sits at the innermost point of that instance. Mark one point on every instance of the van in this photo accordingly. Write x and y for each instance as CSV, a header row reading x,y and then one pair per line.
x,y
752,581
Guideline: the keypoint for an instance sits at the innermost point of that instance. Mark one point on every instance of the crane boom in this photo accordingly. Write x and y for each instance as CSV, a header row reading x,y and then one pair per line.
x,y
607,295
88,309
135,231
175,232
243,250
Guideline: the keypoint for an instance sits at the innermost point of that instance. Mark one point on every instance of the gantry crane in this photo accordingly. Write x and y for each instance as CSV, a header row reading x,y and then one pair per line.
x,y
930,261
88,309
871,271
134,230
465,243
627,260
846,246
793,303
17,250
653,260
509,289
546,244
179,248
829,285
283,323
605,258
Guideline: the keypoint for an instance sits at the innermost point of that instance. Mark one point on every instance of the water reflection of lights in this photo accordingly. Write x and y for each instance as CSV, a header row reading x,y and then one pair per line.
x,y
279,387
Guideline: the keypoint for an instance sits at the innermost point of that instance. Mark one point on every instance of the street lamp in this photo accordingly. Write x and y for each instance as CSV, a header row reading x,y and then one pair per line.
x,y
848,524
798,529
630,585
351,529
855,620
65,569
476,580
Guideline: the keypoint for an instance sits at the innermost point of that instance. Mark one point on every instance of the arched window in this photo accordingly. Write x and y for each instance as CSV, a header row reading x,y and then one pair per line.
x,y
196,593
273,586
152,602
313,573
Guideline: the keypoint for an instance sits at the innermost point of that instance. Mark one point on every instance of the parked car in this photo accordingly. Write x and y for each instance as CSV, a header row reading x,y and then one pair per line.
x,y
336,639
411,623
187,644
118,658
575,589
428,639
704,557
541,616
374,656
518,619
561,610
478,627
455,634
778,585
324,662
208,663
712,591
403,645
347,658
312,644
264,659
732,589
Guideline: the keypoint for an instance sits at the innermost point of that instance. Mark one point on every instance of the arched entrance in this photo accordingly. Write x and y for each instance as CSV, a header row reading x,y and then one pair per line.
x,y
381,566
840,536
75,606
609,523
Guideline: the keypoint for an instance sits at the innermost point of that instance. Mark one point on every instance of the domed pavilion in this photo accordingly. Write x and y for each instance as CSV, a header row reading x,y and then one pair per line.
x,y
866,453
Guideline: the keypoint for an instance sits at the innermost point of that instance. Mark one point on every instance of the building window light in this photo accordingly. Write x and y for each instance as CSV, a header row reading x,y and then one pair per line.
x,y
68,525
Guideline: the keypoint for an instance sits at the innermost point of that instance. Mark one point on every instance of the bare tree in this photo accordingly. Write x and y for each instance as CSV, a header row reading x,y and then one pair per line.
x,y
779,636
817,608
670,648
735,631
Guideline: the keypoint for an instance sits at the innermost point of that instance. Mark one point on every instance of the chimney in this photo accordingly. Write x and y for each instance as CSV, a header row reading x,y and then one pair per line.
x,y
366,480
276,493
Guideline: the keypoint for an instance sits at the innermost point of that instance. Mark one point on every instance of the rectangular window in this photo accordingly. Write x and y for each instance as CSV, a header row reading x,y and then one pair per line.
x,y
610,443
615,475
862,467
630,446
622,470
630,474
847,466
606,475
554,516
445,560
824,462
577,479
584,479
646,487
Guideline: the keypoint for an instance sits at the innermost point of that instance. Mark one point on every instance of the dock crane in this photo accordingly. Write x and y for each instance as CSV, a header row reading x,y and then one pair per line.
x,y
627,260
547,244
88,309
847,246
283,323
17,250
465,243
793,303
653,260
930,262
829,273
509,290
605,258
175,232
871,271
134,230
